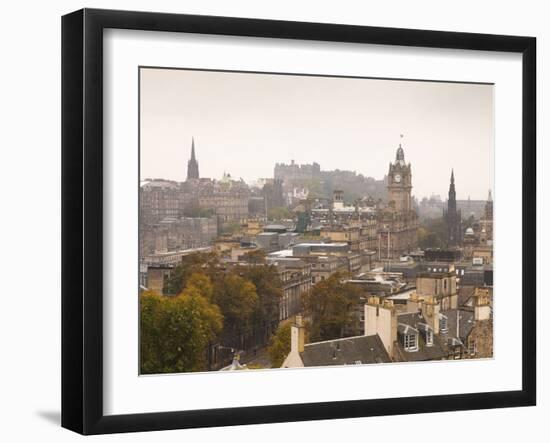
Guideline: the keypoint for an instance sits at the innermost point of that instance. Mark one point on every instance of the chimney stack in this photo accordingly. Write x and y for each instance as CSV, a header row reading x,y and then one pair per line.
x,y
297,335
482,308
381,319
431,308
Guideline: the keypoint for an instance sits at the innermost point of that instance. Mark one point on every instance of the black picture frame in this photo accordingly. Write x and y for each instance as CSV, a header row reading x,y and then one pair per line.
x,y
82,218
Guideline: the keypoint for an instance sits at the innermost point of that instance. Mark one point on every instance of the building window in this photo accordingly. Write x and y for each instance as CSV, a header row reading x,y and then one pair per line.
x,y
429,337
410,342
472,347
443,323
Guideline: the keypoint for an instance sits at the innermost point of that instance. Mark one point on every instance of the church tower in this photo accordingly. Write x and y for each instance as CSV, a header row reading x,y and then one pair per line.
x,y
453,216
192,164
400,183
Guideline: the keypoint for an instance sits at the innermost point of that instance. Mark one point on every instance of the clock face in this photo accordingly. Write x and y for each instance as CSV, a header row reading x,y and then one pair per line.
x,y
397,178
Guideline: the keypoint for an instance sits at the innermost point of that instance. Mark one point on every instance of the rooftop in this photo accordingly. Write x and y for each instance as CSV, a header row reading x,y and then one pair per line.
x,y
346,351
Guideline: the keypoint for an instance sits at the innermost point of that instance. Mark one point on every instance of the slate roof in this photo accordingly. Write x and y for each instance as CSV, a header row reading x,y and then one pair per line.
x,y
465,293
408,323
346,351
466,323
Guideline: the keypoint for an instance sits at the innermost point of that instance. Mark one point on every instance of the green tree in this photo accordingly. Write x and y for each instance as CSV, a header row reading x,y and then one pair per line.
x,y
237,299
201,262
433,233
175,331
427,239
279,346
269,291
331,306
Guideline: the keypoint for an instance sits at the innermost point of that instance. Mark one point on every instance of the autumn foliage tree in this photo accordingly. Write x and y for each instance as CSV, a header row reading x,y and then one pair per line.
x,y
247,297
330,306
175,331
203,262
265,317
237,299
279,346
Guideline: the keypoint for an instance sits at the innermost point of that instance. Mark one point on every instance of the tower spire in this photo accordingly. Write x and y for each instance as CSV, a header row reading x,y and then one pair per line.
x,y
192,164
453,216
400,154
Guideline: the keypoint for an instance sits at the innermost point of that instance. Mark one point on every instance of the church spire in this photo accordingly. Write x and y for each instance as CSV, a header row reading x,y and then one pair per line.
x,y
452,192
192,164
453,216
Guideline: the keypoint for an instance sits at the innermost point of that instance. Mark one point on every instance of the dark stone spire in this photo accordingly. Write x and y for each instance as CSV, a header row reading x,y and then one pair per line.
x,y
453,217
192,164
452,192
193,149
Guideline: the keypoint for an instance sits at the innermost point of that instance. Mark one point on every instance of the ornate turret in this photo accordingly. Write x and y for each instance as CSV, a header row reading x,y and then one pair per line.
x,y
400,154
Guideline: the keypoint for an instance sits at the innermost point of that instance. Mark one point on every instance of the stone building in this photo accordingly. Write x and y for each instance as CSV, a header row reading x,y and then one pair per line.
x,y
398,223
295,275
440,285
173,234
159,199
294,175
425,331
227,198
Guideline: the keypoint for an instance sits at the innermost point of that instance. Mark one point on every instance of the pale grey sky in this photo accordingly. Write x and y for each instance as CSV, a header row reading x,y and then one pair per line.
x,y
245,123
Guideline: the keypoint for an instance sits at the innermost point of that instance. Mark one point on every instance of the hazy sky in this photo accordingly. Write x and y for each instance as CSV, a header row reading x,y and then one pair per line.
x,y
245,123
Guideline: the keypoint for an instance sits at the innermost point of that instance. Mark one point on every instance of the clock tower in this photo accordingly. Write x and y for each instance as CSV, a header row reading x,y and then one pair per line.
x,y
400,183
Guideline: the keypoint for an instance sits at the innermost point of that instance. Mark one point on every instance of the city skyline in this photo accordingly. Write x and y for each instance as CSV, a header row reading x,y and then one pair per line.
x,y
178,105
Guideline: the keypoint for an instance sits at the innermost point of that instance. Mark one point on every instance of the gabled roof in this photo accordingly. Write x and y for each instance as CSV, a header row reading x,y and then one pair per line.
x,y
346,351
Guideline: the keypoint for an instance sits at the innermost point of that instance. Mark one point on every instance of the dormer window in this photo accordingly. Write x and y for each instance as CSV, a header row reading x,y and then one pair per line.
x,y
429,337
410,342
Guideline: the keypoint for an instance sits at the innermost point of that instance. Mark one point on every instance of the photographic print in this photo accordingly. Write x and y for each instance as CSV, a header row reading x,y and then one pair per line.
x,y
290,220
